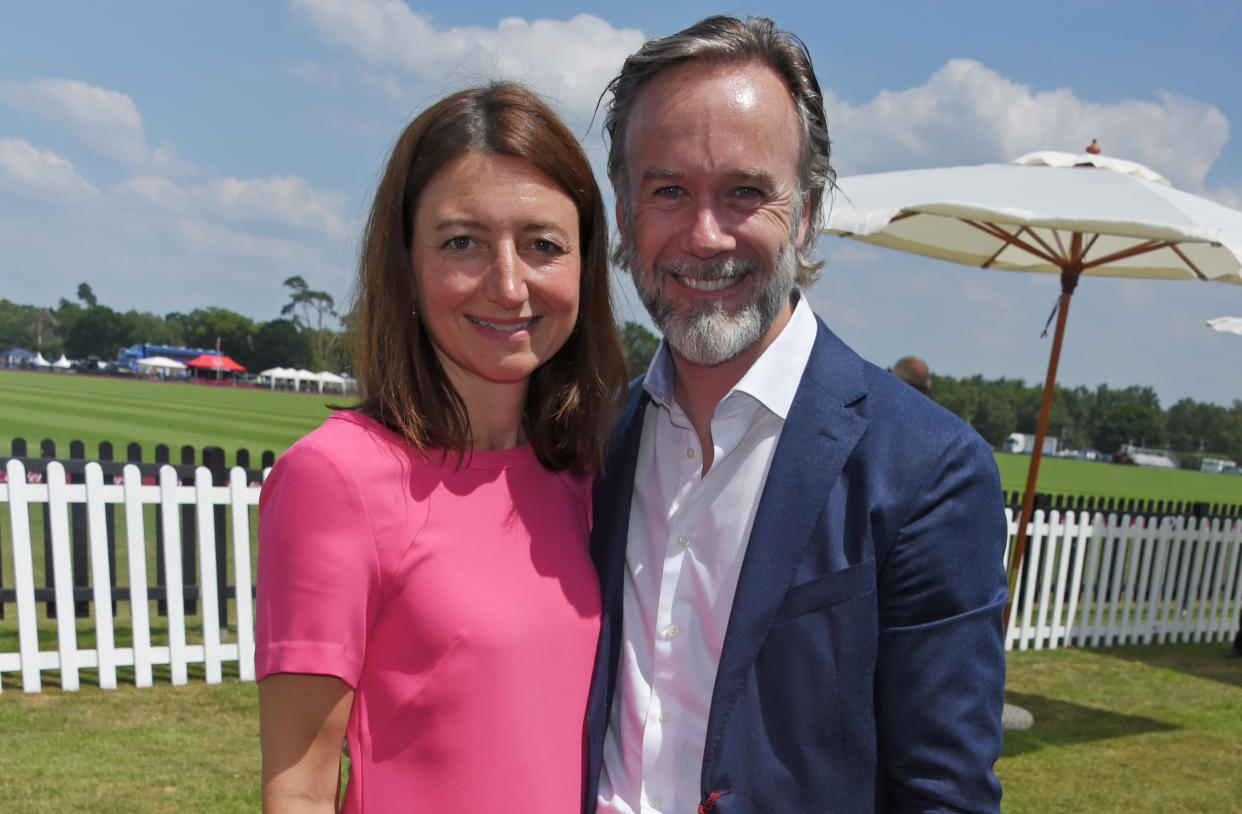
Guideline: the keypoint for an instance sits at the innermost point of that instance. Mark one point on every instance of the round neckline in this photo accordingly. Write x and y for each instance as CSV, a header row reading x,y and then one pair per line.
x,y
483,459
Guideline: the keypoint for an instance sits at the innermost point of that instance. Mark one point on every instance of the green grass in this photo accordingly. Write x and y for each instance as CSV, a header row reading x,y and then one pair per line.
x,y
162,749
1128,729
91,409
1072,477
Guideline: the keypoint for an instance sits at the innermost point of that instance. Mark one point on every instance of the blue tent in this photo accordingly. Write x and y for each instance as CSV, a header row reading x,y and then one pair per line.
x,y
17,355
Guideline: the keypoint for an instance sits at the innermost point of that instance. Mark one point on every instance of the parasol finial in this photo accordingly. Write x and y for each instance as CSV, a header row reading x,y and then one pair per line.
x,y
1094,147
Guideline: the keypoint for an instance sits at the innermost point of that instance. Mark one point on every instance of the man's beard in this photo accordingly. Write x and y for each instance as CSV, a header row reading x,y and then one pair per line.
x,y
708,334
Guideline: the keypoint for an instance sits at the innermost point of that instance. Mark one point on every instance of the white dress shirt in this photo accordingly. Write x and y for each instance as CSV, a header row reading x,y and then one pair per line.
x,y
687,536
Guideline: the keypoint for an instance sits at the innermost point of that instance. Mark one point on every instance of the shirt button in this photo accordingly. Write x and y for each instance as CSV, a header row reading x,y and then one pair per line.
x,y
657,800
664,716
683,541
671,631
689,452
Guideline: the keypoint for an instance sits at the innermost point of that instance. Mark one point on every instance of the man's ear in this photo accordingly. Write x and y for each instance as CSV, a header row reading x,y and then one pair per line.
x,y
804,226
622,235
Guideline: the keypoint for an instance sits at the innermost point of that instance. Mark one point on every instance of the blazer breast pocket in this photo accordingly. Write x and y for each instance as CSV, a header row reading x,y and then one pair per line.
x,y
830,589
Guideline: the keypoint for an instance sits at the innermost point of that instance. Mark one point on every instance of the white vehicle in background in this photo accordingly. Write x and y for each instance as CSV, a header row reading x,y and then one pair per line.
x,y
1020,443
1216,465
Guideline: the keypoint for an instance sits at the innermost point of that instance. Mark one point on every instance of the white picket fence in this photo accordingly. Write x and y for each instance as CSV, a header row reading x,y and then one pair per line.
x,y
1090,580
1093,581
105,656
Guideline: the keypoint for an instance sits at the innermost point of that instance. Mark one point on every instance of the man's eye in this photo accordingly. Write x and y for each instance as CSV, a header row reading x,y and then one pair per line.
x,y
748,192
458,242
667,192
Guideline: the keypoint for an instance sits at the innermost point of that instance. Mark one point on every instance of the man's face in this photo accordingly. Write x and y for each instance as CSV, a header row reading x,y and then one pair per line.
x,y
712,157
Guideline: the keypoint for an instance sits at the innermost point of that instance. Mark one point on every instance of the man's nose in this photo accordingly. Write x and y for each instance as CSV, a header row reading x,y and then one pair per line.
x,y
707,236
507,277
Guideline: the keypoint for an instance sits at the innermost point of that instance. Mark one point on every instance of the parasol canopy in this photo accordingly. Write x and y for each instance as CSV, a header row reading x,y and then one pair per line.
x,y
1232,325
208,361
1051,212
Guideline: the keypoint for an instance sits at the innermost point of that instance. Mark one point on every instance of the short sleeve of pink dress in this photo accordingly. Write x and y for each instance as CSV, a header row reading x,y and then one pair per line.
x,y
459,603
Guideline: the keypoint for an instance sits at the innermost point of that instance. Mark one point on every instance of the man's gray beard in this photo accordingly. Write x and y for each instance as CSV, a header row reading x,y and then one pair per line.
x,y
709,335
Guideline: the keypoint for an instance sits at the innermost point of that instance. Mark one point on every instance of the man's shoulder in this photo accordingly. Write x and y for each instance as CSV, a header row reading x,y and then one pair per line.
x,y
891,407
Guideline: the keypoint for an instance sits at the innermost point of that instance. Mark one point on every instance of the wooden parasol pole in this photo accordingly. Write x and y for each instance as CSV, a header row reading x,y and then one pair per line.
x,y
1069,280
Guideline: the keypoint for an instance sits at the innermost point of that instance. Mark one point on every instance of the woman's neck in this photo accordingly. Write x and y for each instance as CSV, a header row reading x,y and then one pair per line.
x,y
495,413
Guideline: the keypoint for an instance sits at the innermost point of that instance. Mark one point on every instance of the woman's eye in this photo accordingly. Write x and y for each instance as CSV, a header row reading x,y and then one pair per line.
x,y
545,246
458,242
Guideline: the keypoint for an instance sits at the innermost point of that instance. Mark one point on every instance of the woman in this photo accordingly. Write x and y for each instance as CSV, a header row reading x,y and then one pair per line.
x,y
424,585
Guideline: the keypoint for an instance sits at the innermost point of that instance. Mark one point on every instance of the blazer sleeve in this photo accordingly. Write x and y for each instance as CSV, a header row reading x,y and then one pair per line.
x,y
940,671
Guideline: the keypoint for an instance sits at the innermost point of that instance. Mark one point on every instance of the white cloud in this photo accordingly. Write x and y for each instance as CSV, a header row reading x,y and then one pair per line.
x,y
289,201
152,191
1227,195
43,175
569,60
967,113
202,235
105,121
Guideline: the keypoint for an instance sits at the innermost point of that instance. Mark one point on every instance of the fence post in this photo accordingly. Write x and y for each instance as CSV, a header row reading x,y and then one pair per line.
x,y
105,455
47,451
77,534
161,605
213,459
189,538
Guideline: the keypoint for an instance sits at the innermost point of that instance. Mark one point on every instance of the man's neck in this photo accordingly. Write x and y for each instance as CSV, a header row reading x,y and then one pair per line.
x,y
698,389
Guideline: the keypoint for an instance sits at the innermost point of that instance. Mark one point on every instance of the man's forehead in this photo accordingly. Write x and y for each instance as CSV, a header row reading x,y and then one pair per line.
x,y
698,93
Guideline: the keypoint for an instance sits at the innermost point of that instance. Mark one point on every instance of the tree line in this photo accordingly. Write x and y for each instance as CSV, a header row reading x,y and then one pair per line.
x,y
81,328
1103,418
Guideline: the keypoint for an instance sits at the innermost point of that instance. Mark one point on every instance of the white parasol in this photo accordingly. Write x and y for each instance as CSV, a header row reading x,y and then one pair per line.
x,y
1058,213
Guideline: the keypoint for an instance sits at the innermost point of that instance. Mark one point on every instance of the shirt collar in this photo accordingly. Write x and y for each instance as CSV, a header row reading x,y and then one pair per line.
x,y
772,380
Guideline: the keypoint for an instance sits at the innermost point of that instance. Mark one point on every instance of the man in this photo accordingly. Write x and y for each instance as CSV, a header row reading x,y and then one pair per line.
x,y
913,371
800,558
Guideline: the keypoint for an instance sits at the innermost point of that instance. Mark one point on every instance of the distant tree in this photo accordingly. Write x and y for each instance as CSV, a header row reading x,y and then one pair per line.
x,y
309,309
279,343
17,324
341,349
87,296
639,346
1129,423
205,326
151,329
994,417
95,331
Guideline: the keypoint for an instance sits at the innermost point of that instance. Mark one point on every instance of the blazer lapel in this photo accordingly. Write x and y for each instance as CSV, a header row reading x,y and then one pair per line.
x,y
610,528
817,439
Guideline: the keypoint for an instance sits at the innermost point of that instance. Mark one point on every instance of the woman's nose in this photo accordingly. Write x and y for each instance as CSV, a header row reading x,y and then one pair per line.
x,y
507,278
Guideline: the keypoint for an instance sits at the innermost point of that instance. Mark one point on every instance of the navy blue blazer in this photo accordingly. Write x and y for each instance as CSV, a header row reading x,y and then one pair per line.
x,y
863,665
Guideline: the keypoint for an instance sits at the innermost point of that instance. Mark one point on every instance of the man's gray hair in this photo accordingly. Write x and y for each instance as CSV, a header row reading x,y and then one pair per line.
x,y
727,41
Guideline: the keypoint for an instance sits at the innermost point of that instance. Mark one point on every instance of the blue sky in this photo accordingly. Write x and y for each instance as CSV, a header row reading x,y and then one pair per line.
x,y
176,154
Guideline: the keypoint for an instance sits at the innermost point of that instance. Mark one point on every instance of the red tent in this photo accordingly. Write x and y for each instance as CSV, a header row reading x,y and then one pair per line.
x,y
210,362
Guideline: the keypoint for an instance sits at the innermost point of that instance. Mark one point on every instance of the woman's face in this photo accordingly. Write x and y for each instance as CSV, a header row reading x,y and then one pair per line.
x,y
496,265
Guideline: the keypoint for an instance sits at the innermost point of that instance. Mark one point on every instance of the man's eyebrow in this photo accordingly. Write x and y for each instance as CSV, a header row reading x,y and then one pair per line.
x,y
751,174
662,174
761,177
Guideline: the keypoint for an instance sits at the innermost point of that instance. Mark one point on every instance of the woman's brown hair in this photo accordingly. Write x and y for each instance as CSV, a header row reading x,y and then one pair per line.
x,y
572,399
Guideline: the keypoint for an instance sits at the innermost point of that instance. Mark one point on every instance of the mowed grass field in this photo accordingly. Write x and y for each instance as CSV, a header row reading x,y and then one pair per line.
x,y
1072,477
1153,729
91,409
35,406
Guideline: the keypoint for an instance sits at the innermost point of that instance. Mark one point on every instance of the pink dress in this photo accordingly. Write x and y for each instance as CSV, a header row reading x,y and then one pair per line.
x,y
460,604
